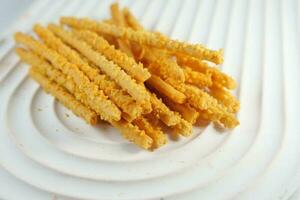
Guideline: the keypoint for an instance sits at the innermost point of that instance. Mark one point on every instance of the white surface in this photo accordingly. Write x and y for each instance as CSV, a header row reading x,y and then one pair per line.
x,y
11,10
46,155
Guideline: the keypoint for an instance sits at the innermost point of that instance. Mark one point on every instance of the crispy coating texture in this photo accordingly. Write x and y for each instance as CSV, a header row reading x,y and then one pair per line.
x,y
158,137
188,113
110,88
118,19
100,70
64,97
203,67
130,19
158,60
55,75
163,66
133,134
166,89
136,70
197,78
203,101
225,97
162,112
103,106
128,130
111,69
183,128
132,22
146,38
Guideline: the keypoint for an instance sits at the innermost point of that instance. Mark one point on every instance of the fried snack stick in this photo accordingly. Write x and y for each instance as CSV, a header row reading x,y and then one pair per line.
x,y
128,130
131,20
225,98
64,97
162,116
133,133
134,69
207,116
158,137
162,112
203,67
183,128
189,113
53,74
112,70
203,101
103,106
165,67
118,19
110,88
146,38
196,78
166,89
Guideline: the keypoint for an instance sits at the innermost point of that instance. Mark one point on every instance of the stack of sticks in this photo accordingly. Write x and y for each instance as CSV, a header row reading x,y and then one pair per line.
x,y
141,82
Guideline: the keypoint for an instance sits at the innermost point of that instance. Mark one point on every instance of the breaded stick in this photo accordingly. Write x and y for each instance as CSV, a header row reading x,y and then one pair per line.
x,y
189,113
203,101
110,88
158,137
118,19
131,20
146,38
225,120
225,97
103,106
203,67
166,89
165,67
133,134
129,131
136,70
183,128
162,112
196,78
53,74
112,70
64,97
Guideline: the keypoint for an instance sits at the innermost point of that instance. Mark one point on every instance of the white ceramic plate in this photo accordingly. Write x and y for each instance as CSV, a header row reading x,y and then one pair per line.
x,y
48,153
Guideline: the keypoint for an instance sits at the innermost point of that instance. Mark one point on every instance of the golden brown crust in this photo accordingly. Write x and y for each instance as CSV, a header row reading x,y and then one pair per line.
x,y
103,106
131,21
162,112
96,69
204,67
196,78
118,19
64,97
158,137
136,70
146,38
133,134
208,104
225,97
163,65
110,88
189,113
128,130
112,70
166,89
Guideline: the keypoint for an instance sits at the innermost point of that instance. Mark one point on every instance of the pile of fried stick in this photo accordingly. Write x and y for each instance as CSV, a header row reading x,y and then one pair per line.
x,y
141,82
